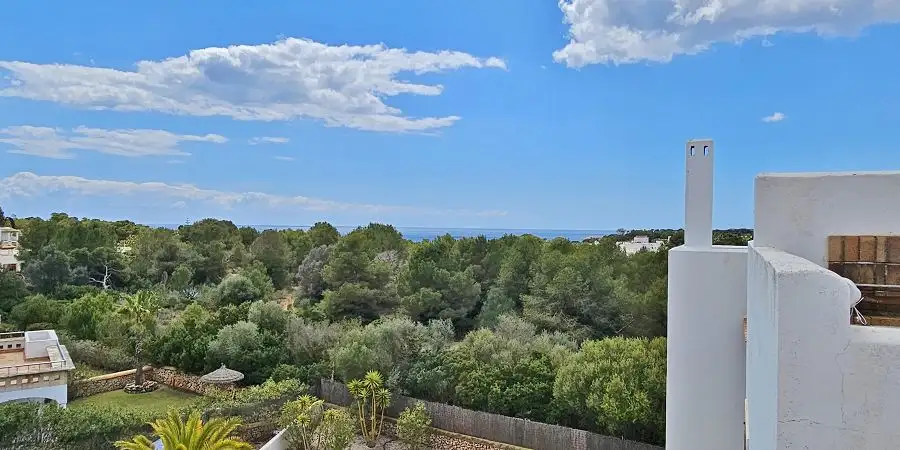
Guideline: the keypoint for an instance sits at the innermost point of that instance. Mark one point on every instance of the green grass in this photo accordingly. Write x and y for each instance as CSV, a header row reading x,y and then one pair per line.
x,y
156,402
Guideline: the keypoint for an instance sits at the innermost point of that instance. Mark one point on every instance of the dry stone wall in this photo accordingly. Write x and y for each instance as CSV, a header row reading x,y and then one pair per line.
x,y
171,377
104,383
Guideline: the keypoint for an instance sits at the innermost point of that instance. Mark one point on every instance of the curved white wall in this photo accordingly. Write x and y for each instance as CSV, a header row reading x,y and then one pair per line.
x,y
706,351
59,394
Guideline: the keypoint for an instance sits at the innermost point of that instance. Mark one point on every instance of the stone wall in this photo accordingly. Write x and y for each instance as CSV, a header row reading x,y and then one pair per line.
x,y
171,377
105,383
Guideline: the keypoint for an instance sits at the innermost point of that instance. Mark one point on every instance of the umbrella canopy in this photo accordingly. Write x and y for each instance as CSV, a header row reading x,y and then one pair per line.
x,y
222,375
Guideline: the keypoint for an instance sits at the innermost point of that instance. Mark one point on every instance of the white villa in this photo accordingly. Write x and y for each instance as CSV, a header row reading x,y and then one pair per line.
x,y
806,376
34,366
9,249
639,243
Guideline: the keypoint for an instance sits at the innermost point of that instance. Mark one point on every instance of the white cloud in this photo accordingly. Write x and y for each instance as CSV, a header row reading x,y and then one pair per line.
x,y
628,31
58,143
268,140
344,85
284,158
27,184
775,117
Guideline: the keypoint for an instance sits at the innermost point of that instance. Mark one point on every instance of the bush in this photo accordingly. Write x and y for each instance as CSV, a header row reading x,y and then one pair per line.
x,y
98,355
414,427
310,427
30,426
40,326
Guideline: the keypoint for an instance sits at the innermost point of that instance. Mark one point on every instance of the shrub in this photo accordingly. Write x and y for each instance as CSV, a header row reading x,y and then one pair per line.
x,y
336,431
29,426
310,427
288,372
414,427
97,355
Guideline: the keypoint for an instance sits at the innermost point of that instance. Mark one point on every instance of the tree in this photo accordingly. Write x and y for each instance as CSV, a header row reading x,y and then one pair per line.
x,y
310,283
191,434
323,233
48,270
13,290
371,400
271,250
414,427
616,386
84,316
138,312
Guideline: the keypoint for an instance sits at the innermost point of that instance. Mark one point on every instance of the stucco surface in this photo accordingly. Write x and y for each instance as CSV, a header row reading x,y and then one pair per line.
x,y
55,393
796,213
705,374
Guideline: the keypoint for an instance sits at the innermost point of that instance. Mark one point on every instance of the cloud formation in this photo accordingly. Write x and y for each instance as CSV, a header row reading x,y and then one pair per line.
x,y
775,117
268,140
629,31
27,184
344,85
59,144
284,158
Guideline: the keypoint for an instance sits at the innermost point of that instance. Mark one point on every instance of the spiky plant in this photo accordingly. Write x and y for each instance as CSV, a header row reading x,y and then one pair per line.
x,y
192,434
371,400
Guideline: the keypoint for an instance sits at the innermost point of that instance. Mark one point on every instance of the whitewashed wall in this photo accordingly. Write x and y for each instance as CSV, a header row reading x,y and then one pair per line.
x,y
59,394
834,391
705,368
796,213
279,442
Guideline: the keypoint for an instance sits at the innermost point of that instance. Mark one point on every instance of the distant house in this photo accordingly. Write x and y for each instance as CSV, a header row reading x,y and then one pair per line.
x,y
34,367
640,243
9,249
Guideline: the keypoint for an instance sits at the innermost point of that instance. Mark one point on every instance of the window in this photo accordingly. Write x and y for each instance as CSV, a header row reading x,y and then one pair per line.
x,y
18,345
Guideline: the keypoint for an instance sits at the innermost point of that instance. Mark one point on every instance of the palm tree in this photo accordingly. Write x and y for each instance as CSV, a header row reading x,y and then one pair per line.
x,y
139,314
176,434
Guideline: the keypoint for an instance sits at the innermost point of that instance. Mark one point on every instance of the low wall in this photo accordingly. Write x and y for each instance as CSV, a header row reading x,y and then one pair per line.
x,y
104,383
171,377
493,427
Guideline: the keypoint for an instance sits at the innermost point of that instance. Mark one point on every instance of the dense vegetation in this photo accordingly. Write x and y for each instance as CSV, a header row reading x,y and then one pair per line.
x,y
552,331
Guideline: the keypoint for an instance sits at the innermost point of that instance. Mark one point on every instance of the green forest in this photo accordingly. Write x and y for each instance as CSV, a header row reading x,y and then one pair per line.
x,y
554,331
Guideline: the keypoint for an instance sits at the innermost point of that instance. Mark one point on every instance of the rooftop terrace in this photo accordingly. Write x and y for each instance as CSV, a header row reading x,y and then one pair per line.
x,y
32,352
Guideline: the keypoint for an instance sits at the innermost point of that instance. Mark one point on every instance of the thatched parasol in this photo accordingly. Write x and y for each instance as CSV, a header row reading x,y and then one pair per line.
x,y
223,376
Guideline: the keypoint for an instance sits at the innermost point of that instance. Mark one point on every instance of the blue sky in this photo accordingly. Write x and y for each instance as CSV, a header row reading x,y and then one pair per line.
x,y
501,114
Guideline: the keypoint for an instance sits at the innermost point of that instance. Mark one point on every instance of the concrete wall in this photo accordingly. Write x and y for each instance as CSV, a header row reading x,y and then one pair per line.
x,y
835,381
705,367
796,213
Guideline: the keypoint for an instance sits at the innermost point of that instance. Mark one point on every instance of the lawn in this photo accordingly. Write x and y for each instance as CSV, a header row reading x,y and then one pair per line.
x,y
157,402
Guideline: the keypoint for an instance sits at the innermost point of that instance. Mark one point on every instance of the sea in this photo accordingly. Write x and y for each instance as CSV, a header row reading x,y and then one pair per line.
x,y
418,234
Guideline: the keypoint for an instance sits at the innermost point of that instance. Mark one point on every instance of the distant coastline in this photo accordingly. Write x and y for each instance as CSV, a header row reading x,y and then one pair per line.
x,y
418,234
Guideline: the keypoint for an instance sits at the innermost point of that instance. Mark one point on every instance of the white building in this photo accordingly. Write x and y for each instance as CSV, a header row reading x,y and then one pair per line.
x,y
34,366
9,249
639,243
804,377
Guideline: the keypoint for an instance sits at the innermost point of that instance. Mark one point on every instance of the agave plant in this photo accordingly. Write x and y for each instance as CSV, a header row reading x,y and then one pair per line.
x,y
371,400
193,434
